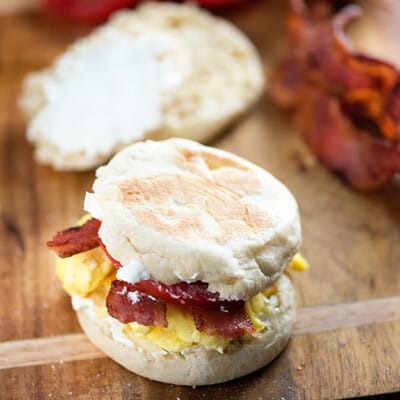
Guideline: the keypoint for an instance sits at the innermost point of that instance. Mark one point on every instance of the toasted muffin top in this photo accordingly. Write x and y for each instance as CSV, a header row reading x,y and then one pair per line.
x,y
181,211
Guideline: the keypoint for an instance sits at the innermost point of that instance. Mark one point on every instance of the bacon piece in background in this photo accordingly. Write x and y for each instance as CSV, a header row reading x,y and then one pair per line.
x,y
91,11
97,11
358,95
366,161
76,240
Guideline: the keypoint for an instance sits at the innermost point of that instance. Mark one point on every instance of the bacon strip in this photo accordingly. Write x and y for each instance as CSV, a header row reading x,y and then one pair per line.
x,y
76,239
227,321
127,304
364,160
182,293
359,96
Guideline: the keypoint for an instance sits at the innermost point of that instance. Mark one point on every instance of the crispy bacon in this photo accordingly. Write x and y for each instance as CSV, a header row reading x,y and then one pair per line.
x,y
359,95
127,304
364,160
229,321
191,294
76,239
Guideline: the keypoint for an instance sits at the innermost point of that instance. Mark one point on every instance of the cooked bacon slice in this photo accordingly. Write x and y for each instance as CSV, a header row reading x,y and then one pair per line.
x,y
76,239
288,83
229,321
367,85
182,293
365,161
127,304
362,92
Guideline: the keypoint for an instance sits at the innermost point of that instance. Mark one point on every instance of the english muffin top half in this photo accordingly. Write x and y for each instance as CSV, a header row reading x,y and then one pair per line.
x,y
180,211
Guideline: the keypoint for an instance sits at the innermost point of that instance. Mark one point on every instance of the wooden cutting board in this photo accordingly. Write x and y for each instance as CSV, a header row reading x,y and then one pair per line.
x,y
347,340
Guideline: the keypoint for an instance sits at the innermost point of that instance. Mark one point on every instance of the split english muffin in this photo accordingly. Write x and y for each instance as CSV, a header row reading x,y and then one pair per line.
x,y
161,70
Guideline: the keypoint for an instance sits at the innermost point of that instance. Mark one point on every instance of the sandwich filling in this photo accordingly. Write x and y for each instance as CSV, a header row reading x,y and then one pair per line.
x,y
173,317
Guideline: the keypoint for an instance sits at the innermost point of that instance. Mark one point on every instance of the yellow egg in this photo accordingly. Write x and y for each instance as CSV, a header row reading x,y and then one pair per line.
x,y
180,333
298,263
259,306
99,296
82,273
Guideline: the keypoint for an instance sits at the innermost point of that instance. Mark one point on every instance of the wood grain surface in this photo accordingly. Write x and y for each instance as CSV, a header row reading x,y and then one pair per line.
x,y
347,341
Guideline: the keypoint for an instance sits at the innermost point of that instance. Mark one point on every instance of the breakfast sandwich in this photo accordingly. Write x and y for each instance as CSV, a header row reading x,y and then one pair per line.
x,y
177,269
162,70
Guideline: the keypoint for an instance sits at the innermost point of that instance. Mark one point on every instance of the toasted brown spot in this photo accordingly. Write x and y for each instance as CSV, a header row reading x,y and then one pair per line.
x,y
185,205
212,160
215,161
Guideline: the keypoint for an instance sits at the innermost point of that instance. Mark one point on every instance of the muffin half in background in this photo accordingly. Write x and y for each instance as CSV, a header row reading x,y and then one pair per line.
x,y
177,272
162,70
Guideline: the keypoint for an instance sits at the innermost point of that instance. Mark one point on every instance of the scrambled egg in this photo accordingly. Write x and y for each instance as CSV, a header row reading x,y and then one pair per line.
x,y
180,333
298,263
90,274
83,272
